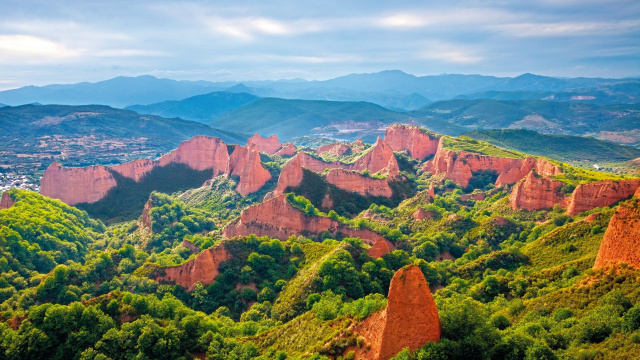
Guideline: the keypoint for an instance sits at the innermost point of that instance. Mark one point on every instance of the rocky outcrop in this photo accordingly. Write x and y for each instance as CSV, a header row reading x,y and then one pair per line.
x,y
536,192
268,145
380,248
287,150
204,268
600,194
191,246
336,149
236,160
252,175
541,166
76,185
200,153
621,241
379,158
460,166
277,218
421,214
431,191
145,221
6,201
356,182
410,320
90,184
416,141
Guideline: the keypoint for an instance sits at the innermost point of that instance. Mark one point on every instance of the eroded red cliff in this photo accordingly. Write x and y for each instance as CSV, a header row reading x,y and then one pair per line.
x,y
536,192
252,175
600,194
621,241
410,320
146,220
268,145
416,141
287,150
277,218
356,182
381,247
6,201
76,185
204,268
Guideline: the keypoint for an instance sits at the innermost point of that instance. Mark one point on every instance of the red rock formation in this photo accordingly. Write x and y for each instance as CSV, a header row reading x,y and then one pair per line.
x,y
287,150
279,219
515,174
459,167
418,143
621,241
290,175
380,248
599,194
268,145
379,158
191,246
421,214
200,153
136,169
475,196
337,149
536,192
236,160
90,184
431,192
6,201
76,185
410,320
145,222
252,176
204,268
356,182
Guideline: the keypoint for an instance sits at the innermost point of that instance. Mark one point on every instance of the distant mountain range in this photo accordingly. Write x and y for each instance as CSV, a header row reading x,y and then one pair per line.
x,y
392,89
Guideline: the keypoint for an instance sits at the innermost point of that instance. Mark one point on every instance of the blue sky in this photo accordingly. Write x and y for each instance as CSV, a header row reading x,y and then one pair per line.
x,y
62,41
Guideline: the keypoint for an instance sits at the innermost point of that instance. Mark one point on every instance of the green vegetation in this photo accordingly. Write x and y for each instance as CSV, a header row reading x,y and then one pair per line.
x,y
576,150
468,144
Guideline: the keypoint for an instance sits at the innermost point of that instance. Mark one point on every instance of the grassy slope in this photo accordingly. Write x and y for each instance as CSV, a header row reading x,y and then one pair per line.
x,y
571,149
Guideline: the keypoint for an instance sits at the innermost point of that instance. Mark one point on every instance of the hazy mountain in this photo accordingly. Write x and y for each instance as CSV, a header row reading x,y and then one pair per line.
x,y
118,92
392,89
294,118
202,108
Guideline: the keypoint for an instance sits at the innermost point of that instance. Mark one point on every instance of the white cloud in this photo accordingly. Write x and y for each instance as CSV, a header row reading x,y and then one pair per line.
x,y
402,21
32,49
568,28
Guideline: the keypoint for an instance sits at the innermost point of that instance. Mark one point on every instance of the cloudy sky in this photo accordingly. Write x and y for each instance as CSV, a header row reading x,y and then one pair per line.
x,y
65,41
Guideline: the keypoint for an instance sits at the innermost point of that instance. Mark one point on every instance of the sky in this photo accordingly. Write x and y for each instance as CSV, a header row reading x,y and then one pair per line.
x,y
65,41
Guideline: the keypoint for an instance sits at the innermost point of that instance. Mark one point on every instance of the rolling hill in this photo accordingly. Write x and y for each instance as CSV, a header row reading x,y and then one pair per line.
x,y
294,118
202,108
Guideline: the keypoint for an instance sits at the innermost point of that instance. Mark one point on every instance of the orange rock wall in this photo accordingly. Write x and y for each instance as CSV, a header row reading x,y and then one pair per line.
x,y
287,150
252,175
204,268
279,219
536,193
6,201
200,153
268,145
356,182
381,247
621,241
76,185
599,194
412,139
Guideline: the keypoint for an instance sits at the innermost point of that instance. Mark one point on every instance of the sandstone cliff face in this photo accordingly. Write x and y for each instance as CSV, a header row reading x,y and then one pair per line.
x,y
252,175
459,167
268,145
361,184
200,153
380,248
380,158
204,268
411,138
90,184
145,221
6,201
287,150
410,320
337,149
236,160
536,193
279,219
136,169
621,241
515,174
431,192
76,185
599,194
